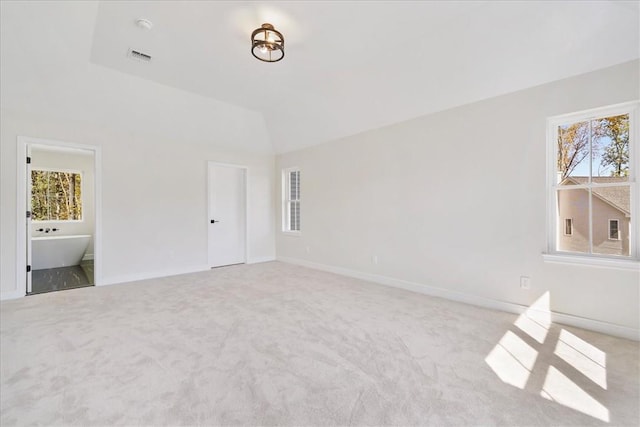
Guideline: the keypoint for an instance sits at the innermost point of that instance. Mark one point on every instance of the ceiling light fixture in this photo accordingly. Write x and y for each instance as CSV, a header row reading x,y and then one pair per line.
x,y
267,44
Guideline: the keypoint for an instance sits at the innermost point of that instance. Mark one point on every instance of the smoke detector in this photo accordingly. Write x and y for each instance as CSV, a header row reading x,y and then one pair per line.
x,y
143,23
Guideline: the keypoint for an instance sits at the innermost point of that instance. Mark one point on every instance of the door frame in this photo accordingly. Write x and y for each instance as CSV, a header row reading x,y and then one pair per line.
x,y
245,169
24,142
29,207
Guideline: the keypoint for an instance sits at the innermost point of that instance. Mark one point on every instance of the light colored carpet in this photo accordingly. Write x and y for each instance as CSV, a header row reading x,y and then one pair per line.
x,y
277,344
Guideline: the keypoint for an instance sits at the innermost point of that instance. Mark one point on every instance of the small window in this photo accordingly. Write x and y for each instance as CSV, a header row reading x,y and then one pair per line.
x,y
568,226
291,206
56,195
614,229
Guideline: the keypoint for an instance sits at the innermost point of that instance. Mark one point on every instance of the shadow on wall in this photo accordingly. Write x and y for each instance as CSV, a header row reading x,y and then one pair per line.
x,y
551,362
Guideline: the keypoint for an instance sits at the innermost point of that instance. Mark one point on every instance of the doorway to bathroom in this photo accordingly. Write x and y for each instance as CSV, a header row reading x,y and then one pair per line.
x,y
59,192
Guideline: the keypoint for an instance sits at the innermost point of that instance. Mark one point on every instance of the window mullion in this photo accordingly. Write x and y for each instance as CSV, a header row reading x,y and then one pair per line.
x,y
590,181
48,193
590,221
591,151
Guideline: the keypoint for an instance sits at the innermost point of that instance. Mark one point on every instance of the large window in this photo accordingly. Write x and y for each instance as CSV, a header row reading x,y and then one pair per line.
x,y
593,170
291,193
56,195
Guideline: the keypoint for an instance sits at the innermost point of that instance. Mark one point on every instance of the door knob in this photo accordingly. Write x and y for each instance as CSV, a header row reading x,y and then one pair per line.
x,y
213,221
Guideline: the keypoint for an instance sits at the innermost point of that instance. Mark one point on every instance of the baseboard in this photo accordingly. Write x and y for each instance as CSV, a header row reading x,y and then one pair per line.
x,y
562,318
257,260
5,296
87,257
150,275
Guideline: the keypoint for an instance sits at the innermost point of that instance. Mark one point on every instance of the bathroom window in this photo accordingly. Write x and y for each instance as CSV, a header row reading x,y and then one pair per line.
x,y
56,195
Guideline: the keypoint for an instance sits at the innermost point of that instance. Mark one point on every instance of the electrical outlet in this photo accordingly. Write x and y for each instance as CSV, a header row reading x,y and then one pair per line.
x,y
308,249
525,282
374,259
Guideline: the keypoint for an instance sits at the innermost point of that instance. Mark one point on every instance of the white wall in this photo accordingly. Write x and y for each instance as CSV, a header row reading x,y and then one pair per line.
x,y
154,197
457,200
84,163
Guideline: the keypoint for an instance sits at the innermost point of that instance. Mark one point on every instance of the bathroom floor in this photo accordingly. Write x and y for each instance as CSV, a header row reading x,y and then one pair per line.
x,y
57,279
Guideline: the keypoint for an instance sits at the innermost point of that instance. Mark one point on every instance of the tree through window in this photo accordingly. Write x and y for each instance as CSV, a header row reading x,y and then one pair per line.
x,y
56,195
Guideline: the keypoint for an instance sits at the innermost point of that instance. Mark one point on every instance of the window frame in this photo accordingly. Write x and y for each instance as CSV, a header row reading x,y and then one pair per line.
x,y
63,170
552,224
286,199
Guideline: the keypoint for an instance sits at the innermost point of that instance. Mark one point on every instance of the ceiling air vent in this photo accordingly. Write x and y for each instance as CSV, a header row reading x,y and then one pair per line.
x,y
139,56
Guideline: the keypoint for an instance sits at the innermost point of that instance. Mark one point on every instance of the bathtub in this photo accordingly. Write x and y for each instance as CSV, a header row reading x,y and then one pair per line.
x,y
58,251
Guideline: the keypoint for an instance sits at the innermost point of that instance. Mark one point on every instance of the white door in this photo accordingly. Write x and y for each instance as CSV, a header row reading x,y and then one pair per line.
x,y
227,215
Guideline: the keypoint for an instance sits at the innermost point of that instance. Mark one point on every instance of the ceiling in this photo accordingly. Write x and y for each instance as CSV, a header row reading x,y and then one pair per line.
x,y
352,66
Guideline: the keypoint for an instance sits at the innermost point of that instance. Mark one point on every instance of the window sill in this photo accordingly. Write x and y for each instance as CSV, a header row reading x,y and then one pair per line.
x,y
292,233
620,264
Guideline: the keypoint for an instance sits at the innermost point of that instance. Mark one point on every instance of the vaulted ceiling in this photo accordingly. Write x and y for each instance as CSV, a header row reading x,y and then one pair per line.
x,y
350,66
